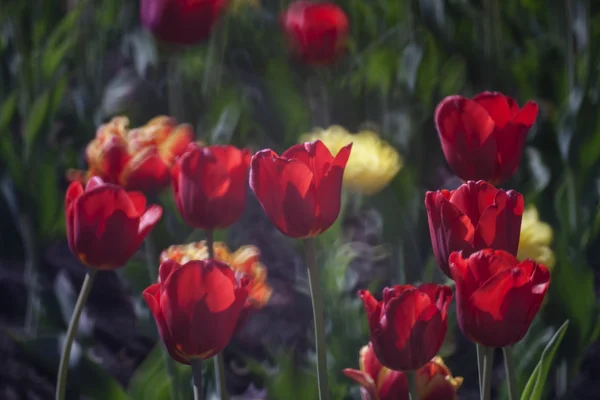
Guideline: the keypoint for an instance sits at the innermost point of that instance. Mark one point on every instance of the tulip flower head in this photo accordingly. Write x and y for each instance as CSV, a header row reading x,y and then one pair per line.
x,y
182,22
535,239
316,32
245,262
497,296
210,184
137,159
372,164
408,326
473,217
301,190
196,307
105,224
434,381
483,138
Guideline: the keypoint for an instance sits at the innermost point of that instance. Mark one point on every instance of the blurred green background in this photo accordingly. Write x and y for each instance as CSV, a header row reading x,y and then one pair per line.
x,y
68,66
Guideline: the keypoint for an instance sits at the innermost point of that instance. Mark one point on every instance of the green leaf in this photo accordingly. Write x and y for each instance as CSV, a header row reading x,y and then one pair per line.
x,y
61,41
7,146
35,120
454,76
48,196
535,386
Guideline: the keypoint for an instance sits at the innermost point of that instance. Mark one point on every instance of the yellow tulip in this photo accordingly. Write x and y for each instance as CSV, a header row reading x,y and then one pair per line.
x,y
373,162
536,238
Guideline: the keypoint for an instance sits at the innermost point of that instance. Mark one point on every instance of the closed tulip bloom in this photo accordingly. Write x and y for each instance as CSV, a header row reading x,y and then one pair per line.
x,y
408,326
301,190
536,239
137,159
473,217
372,164
196,307
483,138
105,224
181,21
210,184
497,296
316,32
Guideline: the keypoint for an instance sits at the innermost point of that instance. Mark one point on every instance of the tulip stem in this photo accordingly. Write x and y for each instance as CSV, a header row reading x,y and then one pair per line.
x,y
511,377
197,378
480,359
412,384
63,369
152,260
486,387
317,303
218,360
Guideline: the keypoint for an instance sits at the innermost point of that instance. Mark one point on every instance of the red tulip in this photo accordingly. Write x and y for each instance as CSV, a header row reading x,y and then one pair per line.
x,y
209,184
106,224
408,327
181,21
301,191
317,32
434,381
497,296
473,217
483,138
196,307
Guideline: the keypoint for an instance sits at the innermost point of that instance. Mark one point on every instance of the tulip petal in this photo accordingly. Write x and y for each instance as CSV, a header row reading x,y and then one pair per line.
x,y
527,115
265,183
74,191
329,190
146,171
392,385
166,268
364,380
315,155
299,206
473,198
496,105
139,201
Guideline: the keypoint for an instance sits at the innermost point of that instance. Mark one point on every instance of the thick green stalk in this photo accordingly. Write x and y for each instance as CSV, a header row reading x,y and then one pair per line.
x,y
152,261
218,360
511,373
317,302
486,388
197,378
63,369
412,385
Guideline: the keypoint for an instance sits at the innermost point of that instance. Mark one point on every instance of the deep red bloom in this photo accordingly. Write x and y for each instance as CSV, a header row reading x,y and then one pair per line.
x,y
181,21
196,307
210,184
408,327
434,381
473,217
497,296
106,224
483,138
317,32
301,191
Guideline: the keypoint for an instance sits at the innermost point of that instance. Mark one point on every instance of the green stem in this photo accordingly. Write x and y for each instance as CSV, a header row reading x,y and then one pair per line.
x,y
317,302
174,89
63,369
152,260
197,378
511,376
480,359
570,52
218,360
412,384
486,388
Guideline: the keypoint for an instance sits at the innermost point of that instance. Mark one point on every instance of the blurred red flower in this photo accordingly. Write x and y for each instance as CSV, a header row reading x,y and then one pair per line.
x,y
434,381
483,138
137,159
210,184
196,307
408,327
497,296
473,217
106,224
316,32
181,21
300,191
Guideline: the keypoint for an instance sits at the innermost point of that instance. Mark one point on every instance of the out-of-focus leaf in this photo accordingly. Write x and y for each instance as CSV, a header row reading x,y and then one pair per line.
x,y
47,196
428,75
535,386
411,60
7,146
287,100
568,121
87,377
150,381
35,119
453,76
143,49
292,379
380,67
60,42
